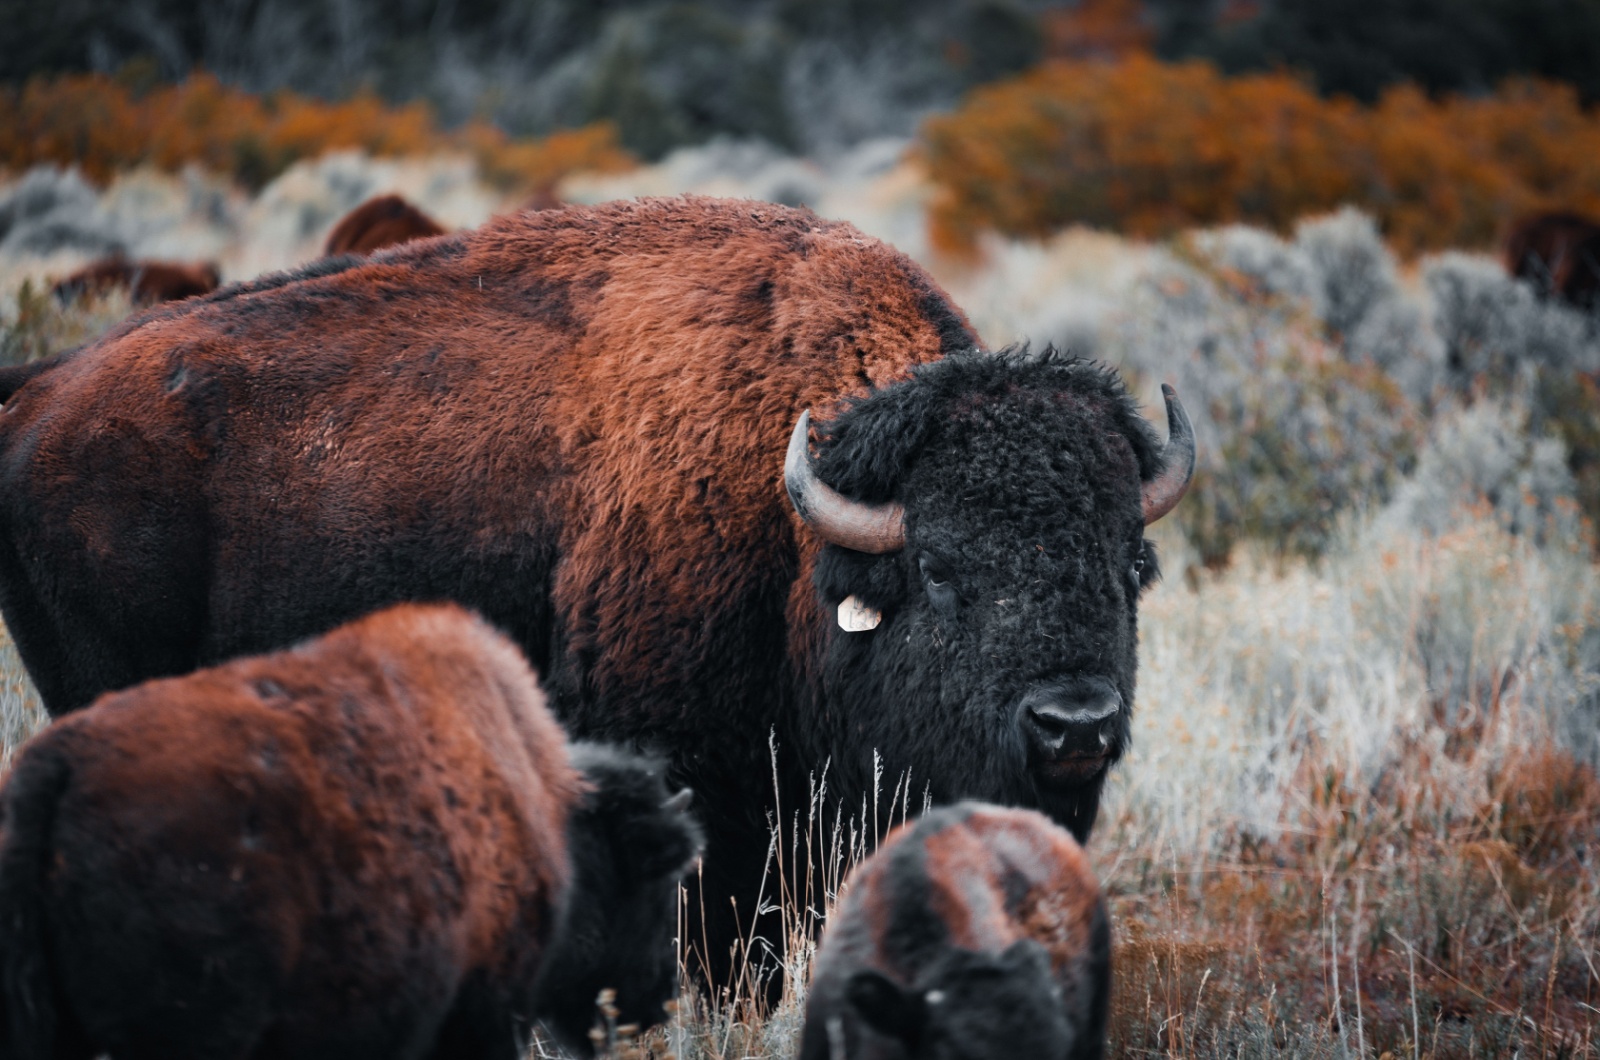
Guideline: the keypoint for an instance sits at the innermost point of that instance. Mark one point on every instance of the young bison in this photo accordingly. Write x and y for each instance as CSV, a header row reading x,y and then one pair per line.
x,y
147,282
975,933
385,221
356,848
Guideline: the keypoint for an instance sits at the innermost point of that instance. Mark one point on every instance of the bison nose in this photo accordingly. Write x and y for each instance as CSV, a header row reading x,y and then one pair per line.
x,y
1071,718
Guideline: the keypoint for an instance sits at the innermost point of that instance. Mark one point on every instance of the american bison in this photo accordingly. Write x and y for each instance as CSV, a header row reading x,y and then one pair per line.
x,y
1559,253
630,843
355,848
384,221
974,932
147,282
575,421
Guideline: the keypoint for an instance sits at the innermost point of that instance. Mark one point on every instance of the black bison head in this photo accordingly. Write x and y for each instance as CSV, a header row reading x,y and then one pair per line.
x,y
966,1006
985,521
631,842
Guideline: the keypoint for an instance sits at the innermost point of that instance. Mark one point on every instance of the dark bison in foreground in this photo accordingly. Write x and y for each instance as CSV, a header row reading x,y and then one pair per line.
x,y
575,421
384,221
147,282
356,848
976,932
1559,253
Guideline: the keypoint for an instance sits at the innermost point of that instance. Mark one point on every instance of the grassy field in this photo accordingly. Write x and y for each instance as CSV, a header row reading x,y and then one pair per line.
x,y
1360,817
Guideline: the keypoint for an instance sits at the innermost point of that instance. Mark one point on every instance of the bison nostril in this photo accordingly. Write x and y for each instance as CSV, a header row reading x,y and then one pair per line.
x,y
1068,720
1050,722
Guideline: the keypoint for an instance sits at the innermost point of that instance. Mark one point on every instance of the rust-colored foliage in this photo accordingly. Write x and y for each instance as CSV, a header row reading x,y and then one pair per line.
x,y
1149,148
102,125
1546,803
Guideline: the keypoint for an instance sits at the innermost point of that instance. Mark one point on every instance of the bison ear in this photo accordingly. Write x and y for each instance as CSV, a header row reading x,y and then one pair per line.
x,y
886,1007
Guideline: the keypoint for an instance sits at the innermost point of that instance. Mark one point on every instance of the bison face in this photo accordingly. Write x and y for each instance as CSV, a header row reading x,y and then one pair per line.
x,y
631,843
967,1006
1000,659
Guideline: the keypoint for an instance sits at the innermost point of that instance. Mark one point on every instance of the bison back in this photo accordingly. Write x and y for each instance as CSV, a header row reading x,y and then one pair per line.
x,y
383,221
968,883
572,420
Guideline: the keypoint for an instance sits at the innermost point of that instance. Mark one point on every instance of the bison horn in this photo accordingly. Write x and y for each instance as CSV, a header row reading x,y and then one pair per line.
x,y
873,528
1162,493
679,801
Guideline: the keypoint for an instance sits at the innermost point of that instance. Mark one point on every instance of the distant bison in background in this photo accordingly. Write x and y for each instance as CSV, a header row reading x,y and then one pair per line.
x,y
974,932
384,221
576,421
355,848
147,282
1559,253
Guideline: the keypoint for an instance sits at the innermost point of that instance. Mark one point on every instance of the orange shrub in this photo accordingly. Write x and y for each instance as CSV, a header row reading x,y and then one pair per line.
x,y
1148,148
101,125
535,166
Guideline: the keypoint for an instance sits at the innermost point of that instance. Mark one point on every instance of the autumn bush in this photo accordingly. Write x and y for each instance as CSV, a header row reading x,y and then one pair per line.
x,y
101,125
1148,148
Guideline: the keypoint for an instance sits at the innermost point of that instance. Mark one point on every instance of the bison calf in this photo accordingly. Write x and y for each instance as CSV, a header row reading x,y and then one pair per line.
x,y
975,932
355,848
630,845
147,282
384,221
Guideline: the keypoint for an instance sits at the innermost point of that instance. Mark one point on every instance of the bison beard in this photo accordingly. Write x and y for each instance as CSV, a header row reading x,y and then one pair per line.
x,y
574,421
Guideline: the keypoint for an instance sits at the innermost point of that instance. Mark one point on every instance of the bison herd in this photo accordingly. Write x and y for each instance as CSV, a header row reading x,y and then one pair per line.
x,y
742,489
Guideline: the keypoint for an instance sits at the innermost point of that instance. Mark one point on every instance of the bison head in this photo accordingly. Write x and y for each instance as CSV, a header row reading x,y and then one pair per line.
x,y
985,521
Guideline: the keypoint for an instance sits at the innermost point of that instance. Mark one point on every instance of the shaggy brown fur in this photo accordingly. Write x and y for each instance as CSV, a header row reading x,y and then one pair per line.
x,y
1559,253
384,221
355,848
147,282
573,420
976,932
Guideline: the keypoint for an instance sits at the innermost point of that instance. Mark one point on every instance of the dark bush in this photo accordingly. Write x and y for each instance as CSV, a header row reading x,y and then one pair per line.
x,y
1360,47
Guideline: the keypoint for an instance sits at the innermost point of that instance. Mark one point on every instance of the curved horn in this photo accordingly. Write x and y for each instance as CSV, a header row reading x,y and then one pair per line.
x,y
1162,493
874,528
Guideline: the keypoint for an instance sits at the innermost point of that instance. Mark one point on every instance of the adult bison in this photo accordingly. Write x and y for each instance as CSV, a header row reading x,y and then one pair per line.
x,y
372,845
575,422
383,221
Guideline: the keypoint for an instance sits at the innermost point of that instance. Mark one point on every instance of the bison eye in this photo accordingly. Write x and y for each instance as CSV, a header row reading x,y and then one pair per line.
x,y
1143,571
936,580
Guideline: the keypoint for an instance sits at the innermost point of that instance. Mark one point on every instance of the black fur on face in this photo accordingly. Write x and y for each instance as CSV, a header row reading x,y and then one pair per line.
x,y
631,841
1018,584
968,1006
